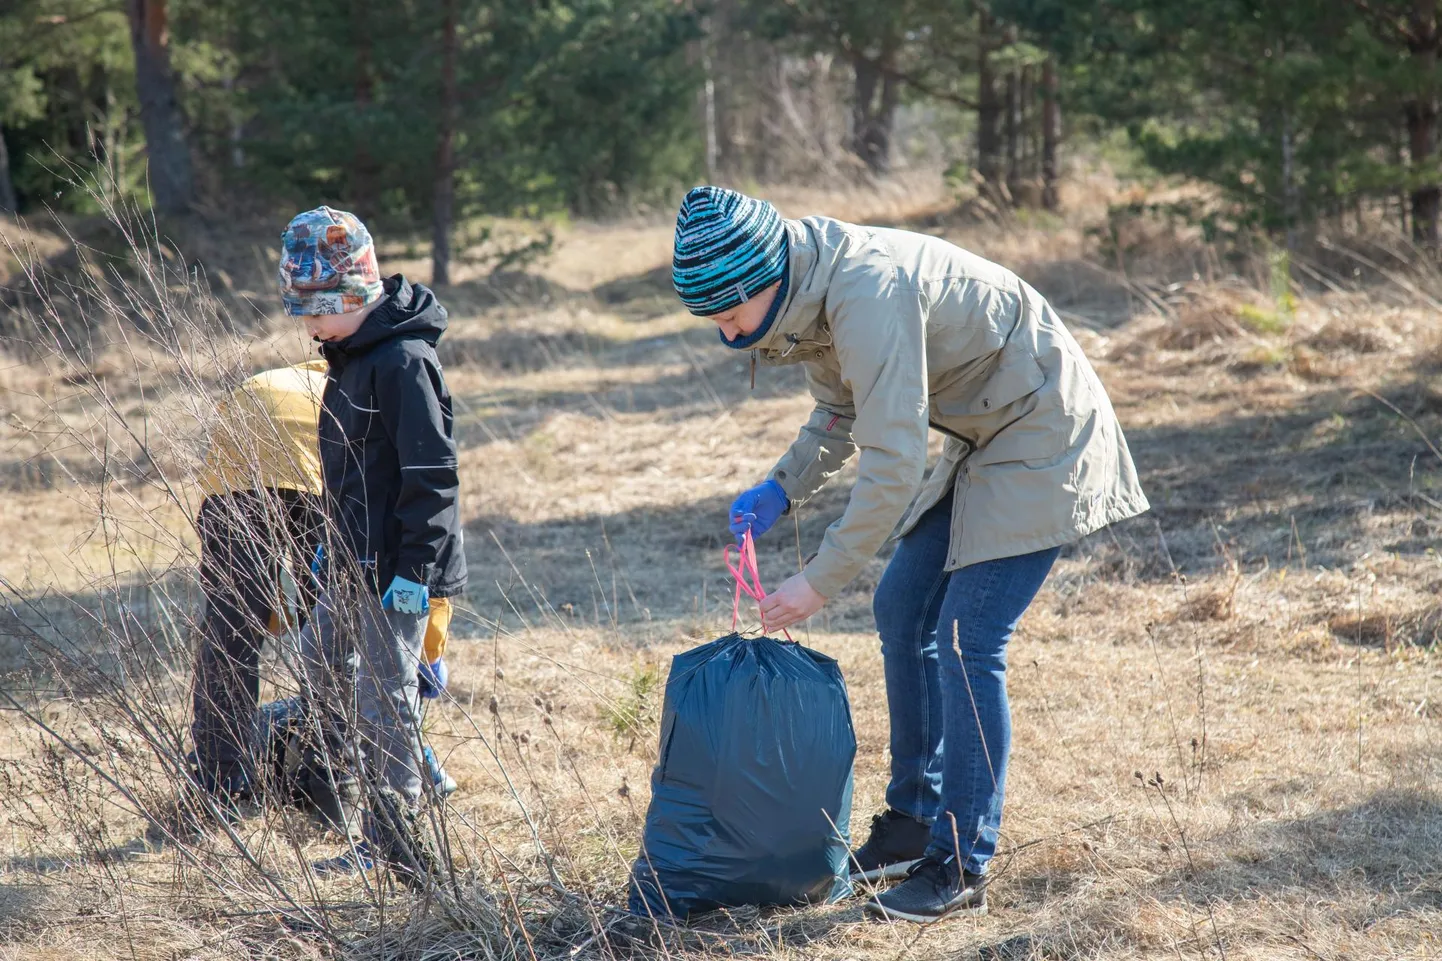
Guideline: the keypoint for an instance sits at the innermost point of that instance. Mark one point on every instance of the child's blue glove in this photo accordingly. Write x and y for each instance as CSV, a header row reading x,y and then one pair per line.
x,y
405,596
317,563
433,678
757,509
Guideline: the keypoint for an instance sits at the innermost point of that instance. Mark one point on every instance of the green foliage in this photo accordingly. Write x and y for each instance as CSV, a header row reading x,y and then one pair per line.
x,y
67,97
1259,320
632,715
612,102
1292,109
563,104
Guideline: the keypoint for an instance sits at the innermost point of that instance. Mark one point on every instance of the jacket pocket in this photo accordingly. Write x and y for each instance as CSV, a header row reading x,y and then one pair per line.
x,y
1014,415
1016,376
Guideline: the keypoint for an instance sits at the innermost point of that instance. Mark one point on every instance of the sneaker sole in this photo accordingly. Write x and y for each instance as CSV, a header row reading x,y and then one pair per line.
x,y
879,913
887,872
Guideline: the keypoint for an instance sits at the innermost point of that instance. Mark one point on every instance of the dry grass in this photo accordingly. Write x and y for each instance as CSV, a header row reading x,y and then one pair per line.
x,y
1225,737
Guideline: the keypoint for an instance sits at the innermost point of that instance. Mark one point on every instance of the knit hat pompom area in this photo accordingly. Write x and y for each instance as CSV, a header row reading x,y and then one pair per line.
x,y
729,248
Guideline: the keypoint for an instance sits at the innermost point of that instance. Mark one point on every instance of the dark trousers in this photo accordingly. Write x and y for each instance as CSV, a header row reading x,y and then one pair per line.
x,y
245,538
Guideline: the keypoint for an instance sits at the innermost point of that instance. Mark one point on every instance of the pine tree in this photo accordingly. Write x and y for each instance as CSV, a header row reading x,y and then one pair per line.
x,y
165,140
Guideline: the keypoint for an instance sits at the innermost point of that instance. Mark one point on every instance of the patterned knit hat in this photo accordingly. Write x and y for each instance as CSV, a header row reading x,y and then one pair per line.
x,y
327,264
729,248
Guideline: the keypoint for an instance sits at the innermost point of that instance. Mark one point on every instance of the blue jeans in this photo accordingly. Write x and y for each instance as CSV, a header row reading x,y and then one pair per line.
x,y
950,721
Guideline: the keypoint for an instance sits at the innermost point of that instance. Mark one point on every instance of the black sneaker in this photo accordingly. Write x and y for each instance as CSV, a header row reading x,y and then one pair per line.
x,y
397,837
332,795
896,843
932,890
217,798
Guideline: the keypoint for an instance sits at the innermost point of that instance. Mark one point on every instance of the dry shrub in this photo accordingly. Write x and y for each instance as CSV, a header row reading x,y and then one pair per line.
x,y
1207,316
1389,629
114,647
22,242
1371,630
1211,606
1309,642
1355,334
1219,604
1313,365
1429,359
1261,357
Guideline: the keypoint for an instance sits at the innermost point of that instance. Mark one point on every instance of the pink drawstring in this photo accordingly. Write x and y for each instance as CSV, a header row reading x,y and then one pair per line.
x,y
746,567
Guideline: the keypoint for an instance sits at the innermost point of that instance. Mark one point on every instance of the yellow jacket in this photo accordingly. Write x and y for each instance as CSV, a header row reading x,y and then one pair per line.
x,y
266,434
266,437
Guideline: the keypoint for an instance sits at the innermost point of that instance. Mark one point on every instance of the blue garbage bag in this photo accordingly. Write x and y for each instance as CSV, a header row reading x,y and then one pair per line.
x,y
751,794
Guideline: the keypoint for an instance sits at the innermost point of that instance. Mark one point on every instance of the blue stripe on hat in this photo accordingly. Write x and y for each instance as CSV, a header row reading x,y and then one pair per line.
x,y
729,248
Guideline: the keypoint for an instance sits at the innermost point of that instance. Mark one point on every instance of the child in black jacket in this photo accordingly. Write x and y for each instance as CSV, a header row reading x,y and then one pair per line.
x,y
388,457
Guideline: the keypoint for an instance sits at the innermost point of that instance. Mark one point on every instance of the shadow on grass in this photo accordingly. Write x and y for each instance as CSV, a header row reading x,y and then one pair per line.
x,y
1357,865
132,627
1332,477
1325,481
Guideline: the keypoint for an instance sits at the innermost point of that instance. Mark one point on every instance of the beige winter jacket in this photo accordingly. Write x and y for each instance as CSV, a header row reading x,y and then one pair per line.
x,y
900,332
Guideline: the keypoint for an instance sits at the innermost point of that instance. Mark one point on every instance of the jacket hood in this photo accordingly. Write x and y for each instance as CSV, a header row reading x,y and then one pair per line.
x,y
810,279
408,310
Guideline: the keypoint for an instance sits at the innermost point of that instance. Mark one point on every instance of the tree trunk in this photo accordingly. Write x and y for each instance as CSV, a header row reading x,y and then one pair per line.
x,y
1026,117
708,100
1290,205
874,111
1013,121
237,126
1050,136
165,145
1426,196
1399,141
364,174
722,34
885,121
863,94
988,104
1422,125
7,186
445,152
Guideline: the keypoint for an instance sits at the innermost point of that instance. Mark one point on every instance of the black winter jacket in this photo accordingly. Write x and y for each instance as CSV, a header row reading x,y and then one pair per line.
x,y
387,448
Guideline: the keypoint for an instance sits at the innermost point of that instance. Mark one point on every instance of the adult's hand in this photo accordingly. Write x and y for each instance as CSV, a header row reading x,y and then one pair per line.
x,y
758,509
791,603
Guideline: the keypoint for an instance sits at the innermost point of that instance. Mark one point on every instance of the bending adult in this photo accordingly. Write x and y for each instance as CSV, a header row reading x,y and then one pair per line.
x,y
902,333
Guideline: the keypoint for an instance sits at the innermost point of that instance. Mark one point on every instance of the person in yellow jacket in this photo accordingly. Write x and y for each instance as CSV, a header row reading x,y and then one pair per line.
x,y
262,488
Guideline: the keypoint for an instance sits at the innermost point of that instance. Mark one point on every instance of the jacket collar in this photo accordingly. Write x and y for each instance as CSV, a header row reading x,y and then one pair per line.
x,y
407,310
801,310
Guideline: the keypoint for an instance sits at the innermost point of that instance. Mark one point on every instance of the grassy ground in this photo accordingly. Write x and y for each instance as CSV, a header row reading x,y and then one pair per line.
x,y
1226,711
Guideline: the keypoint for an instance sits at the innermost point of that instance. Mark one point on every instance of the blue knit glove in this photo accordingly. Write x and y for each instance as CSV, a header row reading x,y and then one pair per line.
x,y
433,678
317,563
405,596
757,509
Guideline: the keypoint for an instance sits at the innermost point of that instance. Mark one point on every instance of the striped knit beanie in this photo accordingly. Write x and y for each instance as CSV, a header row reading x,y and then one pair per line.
x,y
729,248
